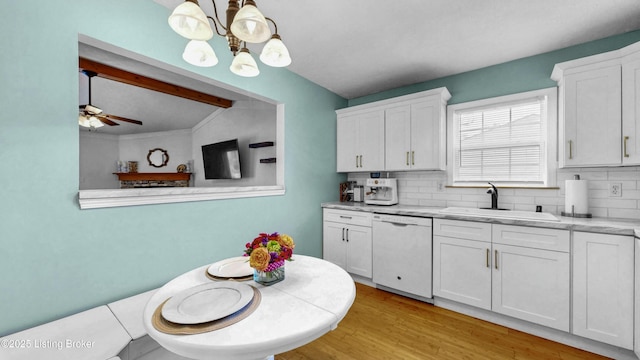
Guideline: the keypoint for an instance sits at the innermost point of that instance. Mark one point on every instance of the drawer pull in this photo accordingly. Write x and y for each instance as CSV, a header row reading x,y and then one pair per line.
x,y
346,217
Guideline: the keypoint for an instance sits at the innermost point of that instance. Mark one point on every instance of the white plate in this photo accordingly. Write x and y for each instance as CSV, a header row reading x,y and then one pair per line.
x,y
207,302
234,267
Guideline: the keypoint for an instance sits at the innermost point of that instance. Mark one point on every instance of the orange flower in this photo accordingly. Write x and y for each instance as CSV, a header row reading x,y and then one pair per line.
x,y
287,241
259,258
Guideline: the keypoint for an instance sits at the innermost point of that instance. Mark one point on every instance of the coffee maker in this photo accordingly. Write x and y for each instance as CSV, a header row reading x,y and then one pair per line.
x,y
381,192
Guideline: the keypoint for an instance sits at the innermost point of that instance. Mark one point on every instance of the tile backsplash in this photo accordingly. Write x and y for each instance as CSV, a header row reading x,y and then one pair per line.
x,y
428,188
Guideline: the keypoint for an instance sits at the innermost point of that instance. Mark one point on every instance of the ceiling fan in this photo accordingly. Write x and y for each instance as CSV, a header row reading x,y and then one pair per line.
x,y
92,116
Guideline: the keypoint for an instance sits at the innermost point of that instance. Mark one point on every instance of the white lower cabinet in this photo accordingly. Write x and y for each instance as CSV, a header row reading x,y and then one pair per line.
x,y
346,240
460,271
532,285
603,288
518,271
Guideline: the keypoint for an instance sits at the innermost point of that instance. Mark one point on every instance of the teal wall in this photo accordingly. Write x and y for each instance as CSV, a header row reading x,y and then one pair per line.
x,y
56,259
531,73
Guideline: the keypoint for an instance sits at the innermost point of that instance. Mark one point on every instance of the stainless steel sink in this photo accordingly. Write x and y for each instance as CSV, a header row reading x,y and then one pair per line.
x,y
500,213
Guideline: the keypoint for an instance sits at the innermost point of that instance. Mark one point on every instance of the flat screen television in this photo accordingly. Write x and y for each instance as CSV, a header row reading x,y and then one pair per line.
x,y
222,160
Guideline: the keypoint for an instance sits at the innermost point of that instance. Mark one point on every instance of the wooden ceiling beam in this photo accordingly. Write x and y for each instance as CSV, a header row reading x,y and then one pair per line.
x,y
115,74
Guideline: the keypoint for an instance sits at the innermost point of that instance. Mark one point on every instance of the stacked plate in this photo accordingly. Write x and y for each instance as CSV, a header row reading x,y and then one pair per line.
x,y
235,268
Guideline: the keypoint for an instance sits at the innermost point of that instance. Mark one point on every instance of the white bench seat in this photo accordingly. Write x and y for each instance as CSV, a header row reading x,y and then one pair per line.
x,y
90,335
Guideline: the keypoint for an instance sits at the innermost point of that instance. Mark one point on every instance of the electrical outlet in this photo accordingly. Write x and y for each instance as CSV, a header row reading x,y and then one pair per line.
x,y
615,189
440,186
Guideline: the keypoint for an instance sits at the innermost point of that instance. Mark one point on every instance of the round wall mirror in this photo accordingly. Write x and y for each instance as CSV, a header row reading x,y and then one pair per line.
x,y
158,157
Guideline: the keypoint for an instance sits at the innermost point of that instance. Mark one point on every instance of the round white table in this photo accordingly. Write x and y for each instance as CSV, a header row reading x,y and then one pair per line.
x,y
312,299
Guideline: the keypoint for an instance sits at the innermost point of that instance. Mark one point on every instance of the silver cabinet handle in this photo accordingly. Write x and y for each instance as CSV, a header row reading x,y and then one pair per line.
x,y
342,234
360,160
626,154
496,254
356,160
347,235
570,149
413,158
407,158
488,257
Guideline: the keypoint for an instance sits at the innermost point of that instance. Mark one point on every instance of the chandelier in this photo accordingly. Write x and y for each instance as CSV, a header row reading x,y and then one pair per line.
x,y
245,24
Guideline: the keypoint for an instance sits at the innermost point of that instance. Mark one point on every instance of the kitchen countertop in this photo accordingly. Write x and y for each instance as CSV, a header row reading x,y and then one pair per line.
x,y
599,225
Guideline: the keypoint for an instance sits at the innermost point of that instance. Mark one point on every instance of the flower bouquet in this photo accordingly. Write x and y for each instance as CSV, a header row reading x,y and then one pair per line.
x,y
267,254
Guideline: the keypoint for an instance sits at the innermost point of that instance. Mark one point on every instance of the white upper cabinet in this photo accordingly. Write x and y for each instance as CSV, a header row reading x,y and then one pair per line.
x,y
403,133
598,119
360,142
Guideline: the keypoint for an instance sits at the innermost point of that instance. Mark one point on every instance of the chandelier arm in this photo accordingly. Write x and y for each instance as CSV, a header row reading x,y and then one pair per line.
x,y
215,11
274,24
215,25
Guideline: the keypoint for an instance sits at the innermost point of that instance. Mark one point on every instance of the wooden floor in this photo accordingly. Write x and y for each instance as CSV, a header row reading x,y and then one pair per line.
x,y
381,325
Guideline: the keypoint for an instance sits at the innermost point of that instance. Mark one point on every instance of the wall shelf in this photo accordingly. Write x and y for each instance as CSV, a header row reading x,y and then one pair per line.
x,y
268,161
261,144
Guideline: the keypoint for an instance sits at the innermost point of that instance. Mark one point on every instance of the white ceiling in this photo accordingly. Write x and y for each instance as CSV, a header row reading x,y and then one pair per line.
x,y
360,47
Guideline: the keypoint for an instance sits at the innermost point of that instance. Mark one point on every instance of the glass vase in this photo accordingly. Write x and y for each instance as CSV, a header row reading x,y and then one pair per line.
x,y
268,277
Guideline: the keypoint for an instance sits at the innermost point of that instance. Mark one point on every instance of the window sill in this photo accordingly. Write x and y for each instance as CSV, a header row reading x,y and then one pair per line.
x,y
502,187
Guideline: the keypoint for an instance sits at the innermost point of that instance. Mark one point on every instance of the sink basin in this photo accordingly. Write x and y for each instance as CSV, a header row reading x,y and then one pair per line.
x,y
501,214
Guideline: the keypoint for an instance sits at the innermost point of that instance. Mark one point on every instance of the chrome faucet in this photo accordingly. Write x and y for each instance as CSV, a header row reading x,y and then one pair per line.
x,y
494,196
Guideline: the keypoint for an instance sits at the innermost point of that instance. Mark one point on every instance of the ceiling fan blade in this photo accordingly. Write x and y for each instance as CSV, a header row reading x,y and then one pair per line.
x,y
123,119
107,121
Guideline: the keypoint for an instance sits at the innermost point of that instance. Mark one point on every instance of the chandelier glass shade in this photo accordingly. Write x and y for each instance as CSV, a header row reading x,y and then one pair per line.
x,y
244,65
199,53
244,23
190,21
89,121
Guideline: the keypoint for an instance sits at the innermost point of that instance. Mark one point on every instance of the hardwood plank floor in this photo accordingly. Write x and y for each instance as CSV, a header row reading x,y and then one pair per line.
x,y
382,325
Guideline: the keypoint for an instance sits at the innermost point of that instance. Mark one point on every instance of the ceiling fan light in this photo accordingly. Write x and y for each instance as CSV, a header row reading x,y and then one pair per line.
x,y
250,25
83,121
199,53
189,21
244,65
275,53
94,122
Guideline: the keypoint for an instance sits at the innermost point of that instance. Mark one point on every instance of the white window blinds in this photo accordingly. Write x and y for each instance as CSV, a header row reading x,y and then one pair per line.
x,y
504,142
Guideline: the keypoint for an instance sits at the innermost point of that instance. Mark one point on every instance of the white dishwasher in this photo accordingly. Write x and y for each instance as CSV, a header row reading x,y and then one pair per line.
x,y
402,253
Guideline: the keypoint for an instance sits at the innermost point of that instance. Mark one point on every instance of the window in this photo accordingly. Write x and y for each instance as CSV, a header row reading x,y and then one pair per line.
x,y
509,140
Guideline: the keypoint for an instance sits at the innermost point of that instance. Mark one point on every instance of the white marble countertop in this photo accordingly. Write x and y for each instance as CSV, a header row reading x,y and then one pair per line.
x,y
312,299
599,225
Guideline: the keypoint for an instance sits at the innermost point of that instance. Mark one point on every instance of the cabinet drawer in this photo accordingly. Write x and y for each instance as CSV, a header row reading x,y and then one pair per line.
x,y
347,217
531,237
469,230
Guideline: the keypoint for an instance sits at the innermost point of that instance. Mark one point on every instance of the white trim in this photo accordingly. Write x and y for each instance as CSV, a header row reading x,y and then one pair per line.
x,y
92,199
551,131
400,100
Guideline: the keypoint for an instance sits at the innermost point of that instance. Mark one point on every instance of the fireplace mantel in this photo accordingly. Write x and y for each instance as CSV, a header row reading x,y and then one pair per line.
x,y
146,180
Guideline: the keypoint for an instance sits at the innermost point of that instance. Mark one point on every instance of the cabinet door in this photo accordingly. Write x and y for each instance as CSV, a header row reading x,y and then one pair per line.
x,y
531,285
603,288
370,141
403,263
427,136
347,127
397,132
334,244
631,113
359,250
592,120
462,271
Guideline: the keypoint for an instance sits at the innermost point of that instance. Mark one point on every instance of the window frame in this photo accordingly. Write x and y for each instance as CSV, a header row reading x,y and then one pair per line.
x,y
551,131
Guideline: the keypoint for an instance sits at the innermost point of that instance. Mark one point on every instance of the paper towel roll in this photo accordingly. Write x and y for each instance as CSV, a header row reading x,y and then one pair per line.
x,y
576,196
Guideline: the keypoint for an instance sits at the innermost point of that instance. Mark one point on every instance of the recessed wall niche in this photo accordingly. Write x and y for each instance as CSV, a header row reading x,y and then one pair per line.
x,y
177,125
